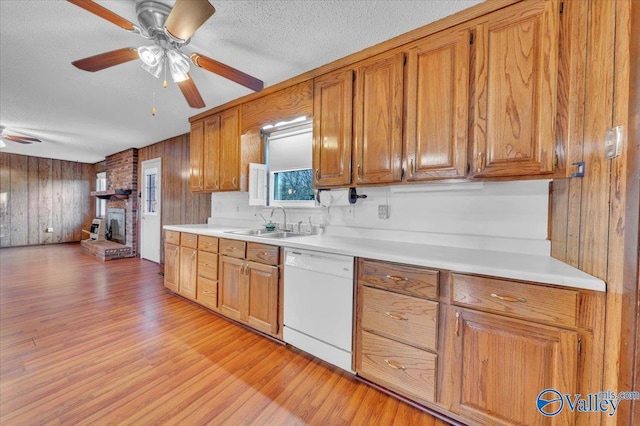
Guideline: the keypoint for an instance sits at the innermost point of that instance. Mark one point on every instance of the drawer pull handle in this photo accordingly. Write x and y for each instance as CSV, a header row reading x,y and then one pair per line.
x,y
395,365
263,253
396,316
231,248
397,278
509,298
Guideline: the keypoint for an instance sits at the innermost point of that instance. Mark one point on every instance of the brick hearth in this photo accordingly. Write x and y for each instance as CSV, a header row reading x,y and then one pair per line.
x,y
106,250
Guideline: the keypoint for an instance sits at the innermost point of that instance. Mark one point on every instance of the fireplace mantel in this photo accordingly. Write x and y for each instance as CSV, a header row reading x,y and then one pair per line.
x,y
121,194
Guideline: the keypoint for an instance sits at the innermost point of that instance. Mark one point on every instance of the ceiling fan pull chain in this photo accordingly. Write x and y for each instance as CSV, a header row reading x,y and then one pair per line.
x,y
165,73
153,106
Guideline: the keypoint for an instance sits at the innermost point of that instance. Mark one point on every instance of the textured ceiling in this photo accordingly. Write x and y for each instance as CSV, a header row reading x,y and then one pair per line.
x,y
83,116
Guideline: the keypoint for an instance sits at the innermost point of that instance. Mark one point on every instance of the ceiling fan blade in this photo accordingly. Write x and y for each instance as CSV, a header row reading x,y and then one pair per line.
x,y
104,13
191,93
187,16
227,72
20,139
107,59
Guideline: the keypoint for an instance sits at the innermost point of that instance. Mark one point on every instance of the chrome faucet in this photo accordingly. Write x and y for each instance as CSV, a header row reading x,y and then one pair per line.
x,y
284,214
260,214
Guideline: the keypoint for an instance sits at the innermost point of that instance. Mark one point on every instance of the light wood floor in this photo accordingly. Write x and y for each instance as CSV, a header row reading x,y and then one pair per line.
x,y
86,342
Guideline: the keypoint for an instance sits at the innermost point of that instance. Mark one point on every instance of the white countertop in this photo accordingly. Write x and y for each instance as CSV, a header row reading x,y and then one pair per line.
x,y
526,267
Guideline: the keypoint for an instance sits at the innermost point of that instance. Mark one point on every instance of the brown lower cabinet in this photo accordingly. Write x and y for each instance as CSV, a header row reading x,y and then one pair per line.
x,y
240,280
180,263
479,349
249,284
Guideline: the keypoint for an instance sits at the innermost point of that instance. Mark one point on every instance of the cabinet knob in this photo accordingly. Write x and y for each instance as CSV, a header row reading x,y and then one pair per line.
x,y
398,317
509,298
397,278
395,365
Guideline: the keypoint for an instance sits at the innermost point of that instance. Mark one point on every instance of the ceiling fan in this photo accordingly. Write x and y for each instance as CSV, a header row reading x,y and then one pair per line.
x,y
168,29
13,138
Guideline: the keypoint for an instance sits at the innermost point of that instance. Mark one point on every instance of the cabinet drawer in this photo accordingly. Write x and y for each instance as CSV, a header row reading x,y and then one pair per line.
x,y
172,237
206,243
208,265
263,253
405,318
400,367
189,240
411,280
555,305
233,248
208,292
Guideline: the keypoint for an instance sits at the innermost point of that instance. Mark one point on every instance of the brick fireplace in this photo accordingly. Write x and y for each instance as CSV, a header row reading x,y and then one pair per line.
x,y
122,205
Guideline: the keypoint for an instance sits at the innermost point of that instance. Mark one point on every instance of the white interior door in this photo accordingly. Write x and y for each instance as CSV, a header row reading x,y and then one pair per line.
x,y
150,228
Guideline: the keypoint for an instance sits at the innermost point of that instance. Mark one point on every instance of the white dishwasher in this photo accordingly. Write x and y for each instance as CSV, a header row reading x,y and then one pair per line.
x,y
318,305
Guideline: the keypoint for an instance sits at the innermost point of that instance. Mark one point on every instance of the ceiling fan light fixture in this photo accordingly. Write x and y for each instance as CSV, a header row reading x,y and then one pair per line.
x,y
151,55
178,66
153,70
2,144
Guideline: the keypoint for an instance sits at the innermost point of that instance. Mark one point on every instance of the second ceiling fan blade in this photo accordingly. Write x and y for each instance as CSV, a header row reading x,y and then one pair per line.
x,y
191,93
104,13
187,16
227,72
107,59
20,139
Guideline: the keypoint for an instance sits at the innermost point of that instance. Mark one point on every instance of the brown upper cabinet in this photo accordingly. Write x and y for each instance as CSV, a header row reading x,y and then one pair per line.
x,y
332,122
515,84
217,158
229,163
196,156
477,100
377,125
437,100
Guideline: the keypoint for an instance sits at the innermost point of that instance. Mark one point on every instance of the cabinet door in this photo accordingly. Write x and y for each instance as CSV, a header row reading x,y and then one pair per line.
x,y
230,150
171,266
437,107
503,364
188,272
231,287
515,90
196,156
332,122
262,306
378,121
211,180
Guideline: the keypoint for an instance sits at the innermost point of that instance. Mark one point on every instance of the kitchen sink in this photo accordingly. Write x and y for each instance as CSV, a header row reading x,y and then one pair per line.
x,y
263,233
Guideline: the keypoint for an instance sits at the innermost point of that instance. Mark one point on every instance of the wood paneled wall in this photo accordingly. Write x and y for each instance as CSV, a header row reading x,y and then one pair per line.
x,y
40,193
179,205
594,219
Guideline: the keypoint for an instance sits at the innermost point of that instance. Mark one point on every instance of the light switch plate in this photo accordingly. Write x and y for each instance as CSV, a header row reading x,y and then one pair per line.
x,y
383,211
613,142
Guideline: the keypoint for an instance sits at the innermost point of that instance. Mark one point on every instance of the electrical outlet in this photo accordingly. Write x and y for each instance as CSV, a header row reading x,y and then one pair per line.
x,y
49,230
383,211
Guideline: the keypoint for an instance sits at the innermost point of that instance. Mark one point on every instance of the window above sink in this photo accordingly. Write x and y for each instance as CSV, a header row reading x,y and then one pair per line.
x,y
286,178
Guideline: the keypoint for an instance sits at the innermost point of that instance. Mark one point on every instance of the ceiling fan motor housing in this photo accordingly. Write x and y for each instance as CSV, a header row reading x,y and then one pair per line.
x,y
152,16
